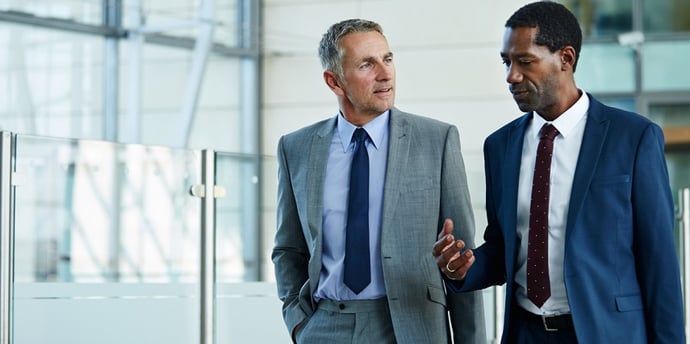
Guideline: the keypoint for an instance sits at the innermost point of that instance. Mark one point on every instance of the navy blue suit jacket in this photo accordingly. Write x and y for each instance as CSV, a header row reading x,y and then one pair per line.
x,y
620,268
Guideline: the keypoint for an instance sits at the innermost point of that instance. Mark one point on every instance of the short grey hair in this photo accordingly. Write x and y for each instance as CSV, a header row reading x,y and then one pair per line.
x,y
330,51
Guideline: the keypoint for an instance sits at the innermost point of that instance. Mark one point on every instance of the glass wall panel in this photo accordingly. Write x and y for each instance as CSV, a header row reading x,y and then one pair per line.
x,y
665,67
602,17
666,15
106,243
162,87
81,11
164,80
218,123
181,18
671,115
250,313
674,117
50,82
269,195
605,68
247,306
237,237
621,103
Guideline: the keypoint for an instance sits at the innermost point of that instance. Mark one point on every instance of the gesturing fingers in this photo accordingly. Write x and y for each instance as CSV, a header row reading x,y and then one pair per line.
x,y
449,254
442,246
456,268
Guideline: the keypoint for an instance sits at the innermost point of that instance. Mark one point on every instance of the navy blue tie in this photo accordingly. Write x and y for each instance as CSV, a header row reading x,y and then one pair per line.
x,y
357,269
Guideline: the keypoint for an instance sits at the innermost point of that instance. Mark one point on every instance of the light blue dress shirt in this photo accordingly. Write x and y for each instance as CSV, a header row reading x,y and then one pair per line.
x,y
336,189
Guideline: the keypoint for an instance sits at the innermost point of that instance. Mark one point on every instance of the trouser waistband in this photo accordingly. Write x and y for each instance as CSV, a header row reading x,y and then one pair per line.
x,y
550,322
354,306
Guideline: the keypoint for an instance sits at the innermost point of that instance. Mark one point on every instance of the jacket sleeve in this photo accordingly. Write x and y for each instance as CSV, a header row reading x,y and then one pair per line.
x,y
466,309
290,253
654,245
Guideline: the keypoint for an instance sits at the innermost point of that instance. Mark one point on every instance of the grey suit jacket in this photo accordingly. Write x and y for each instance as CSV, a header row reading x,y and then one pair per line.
x,y
425,183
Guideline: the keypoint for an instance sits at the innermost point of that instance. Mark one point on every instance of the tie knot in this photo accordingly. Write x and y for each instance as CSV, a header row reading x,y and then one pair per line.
x,y
360,135
548,131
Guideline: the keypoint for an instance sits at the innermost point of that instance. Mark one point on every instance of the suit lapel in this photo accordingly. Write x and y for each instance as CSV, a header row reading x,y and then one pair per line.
x,y
596,129
318,156
398,153
511,178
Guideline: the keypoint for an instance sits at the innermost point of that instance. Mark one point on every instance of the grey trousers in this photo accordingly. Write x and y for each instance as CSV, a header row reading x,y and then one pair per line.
x,y
348,322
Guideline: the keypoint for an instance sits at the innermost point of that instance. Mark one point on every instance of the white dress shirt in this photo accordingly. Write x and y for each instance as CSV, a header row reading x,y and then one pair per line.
x,y
571,128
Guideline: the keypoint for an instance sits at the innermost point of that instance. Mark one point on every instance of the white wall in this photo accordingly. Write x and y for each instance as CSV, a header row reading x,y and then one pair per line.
x,y
447,59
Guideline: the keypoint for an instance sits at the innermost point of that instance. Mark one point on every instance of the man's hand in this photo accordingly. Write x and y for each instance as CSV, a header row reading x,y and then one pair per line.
x,y
450,255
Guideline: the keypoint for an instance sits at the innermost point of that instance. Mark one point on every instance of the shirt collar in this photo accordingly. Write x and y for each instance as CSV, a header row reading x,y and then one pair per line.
x,y
566,122
375,128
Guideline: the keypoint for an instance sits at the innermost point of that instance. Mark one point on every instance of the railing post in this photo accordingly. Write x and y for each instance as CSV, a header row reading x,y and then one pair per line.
x,y
6,236
684,219
208,248
499,301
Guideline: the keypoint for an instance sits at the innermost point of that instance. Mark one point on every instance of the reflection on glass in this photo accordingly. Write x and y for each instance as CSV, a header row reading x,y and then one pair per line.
x,y
269,187
621,103
665,66
102,212
605,68
674,118
602,17
86,12
52,82
106,243
666,15
181,18
164,82
247,307
671,115
237,237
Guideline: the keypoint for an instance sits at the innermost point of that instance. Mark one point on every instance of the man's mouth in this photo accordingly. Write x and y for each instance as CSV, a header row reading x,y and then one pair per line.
x,y
519,93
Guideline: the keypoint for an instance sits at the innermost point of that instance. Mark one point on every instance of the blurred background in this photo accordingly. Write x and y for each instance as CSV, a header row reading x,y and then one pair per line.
x,y
138,172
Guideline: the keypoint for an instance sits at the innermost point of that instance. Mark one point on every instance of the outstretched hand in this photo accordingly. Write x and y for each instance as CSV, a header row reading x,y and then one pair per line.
x,y
450,254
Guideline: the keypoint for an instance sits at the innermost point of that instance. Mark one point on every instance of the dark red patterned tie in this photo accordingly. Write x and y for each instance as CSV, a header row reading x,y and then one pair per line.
x,y
538,286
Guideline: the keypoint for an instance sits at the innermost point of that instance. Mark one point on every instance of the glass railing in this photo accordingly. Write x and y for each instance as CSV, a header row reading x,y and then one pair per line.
x,y
118,243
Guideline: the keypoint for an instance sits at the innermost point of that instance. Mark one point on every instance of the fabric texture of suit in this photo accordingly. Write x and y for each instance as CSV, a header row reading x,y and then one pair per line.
x,y
620,267
425,183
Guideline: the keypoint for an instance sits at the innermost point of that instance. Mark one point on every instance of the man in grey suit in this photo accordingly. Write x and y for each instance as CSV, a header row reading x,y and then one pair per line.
x,y
416,178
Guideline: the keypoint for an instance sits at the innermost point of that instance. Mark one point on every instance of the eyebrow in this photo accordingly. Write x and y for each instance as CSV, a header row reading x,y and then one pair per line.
x,y
373,58
518,55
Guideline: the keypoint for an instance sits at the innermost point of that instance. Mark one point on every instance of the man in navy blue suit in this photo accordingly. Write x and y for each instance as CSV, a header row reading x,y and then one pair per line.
x,y
611,267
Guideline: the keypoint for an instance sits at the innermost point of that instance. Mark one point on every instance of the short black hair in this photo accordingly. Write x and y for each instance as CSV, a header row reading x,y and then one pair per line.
x,y
557,26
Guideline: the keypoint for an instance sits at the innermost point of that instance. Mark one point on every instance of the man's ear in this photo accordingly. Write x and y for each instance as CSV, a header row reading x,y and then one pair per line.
x,y
568,57
332,82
